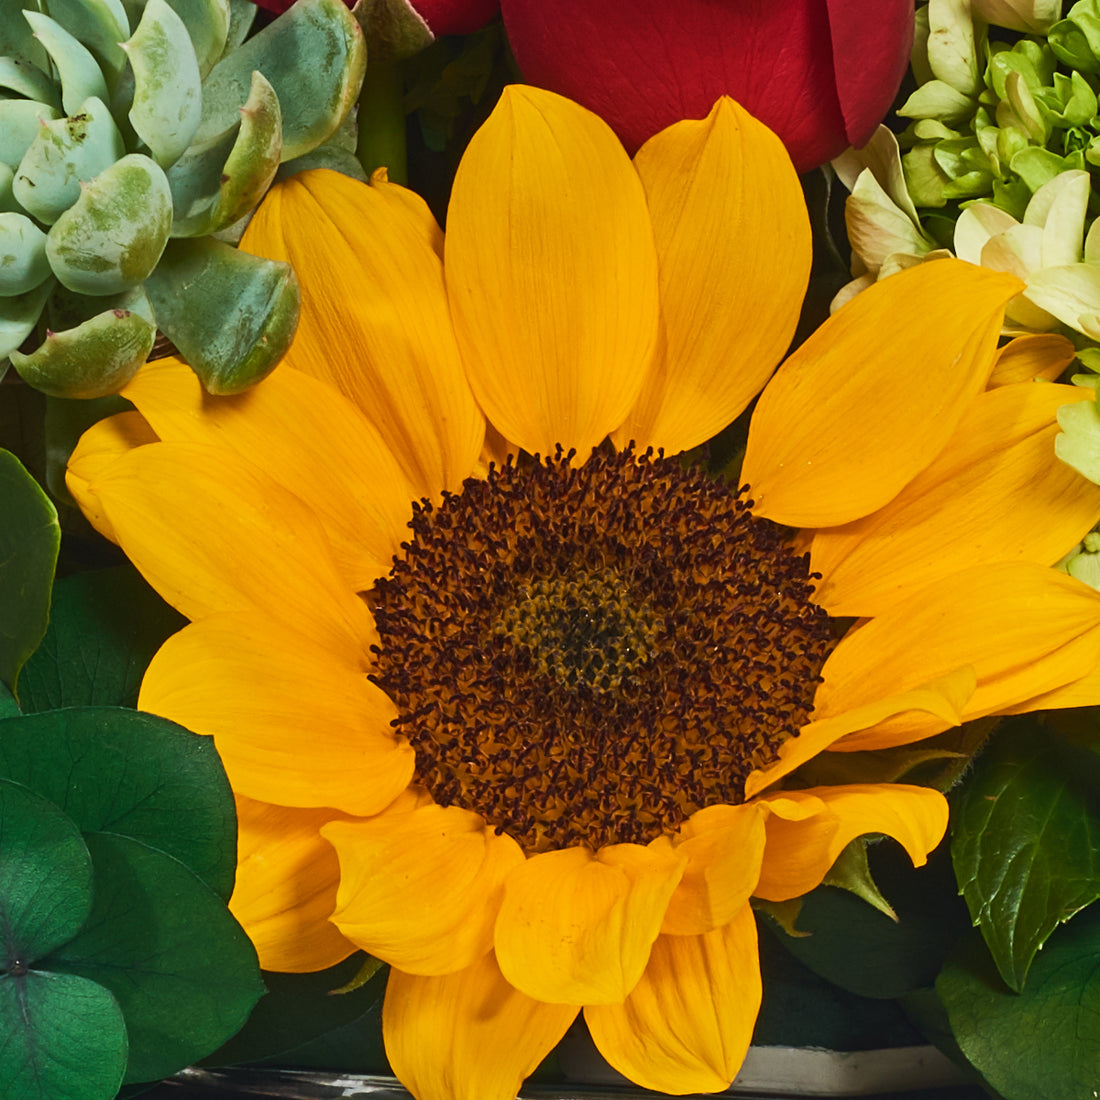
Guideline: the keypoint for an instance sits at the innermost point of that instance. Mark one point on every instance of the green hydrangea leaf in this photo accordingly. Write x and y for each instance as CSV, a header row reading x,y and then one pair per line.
x,y
105,625
45,877
1040,1043
1025,841
1079,444
63,1036
29,540
122,771
181,968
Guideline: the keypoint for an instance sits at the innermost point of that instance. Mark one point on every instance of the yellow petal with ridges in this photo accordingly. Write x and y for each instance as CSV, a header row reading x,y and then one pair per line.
x,y
992,494
374,320
467,1035
211,533
96,449
310,439
421,890
687,1024
267,694
286,887
733,252
943,699
870,399
801,848
576,927
551,273
724,846
1040,355
1025,629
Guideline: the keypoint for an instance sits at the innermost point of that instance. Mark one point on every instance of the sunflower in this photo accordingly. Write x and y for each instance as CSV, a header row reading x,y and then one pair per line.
x,y
509,695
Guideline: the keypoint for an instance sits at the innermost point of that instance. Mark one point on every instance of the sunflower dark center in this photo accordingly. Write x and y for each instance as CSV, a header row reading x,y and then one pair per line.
x,y
588,655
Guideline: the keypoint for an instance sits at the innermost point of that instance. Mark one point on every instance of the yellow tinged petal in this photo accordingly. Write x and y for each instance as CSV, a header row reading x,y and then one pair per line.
x,y
268,695
467,1035
551,273
686,1026
1041,355
992,494
733,252
211,533
801,848
96,449
1025,629
724,846
943,699
411,207
310,439
286,887
576,927
874,394
374,319
421,890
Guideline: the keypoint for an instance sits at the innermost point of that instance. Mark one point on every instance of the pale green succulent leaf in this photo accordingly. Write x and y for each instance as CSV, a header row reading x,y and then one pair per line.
x,y
66,152
16,37
7,197
77,69
94,359
111,238
331,154
207,23
1079,444
314,57
27,80
242,14
214,186
19,315
167,103
20,121
937,99
101,25
23,263
232,315
1068,293
65,309
394,29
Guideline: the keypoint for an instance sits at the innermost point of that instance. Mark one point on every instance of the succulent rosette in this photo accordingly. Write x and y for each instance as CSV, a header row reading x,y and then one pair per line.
x,y
133,139
510,697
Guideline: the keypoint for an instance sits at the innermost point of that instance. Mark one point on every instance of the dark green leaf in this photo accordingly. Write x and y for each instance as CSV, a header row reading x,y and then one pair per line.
x,y
29,540
180,966
45,878
63,1036
298,1008
1025,841
1041,1043
104,628
864,951
122,771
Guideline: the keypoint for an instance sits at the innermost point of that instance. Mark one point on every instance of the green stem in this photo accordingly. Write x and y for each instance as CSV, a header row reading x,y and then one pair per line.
x,y
381,140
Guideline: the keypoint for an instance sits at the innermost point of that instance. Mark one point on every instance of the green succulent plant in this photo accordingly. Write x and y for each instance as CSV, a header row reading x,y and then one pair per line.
x,y
134,136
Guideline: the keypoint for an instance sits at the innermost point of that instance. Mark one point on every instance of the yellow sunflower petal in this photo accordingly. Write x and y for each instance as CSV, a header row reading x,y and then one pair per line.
x,y
468,1035
211,533
1040,355
421,890
96,449
267,695
992,494
944,699
310,439
874,394
1025,629
551,272
374,319
801,848
724,846
286,887
576,927
733,250
687,1024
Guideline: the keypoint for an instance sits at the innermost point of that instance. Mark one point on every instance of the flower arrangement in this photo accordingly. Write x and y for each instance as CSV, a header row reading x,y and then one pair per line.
x,y
544,624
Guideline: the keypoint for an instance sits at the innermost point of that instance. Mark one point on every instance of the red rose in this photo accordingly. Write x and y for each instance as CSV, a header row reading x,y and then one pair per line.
x,y
820,73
